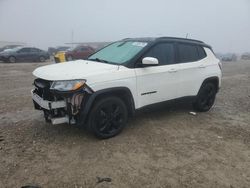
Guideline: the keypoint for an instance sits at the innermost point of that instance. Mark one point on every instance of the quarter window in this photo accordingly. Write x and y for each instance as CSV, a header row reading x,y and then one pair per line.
x,y
164,52
187,53
201,52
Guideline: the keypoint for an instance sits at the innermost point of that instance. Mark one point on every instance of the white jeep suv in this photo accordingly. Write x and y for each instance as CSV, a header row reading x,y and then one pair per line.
x,y
102,91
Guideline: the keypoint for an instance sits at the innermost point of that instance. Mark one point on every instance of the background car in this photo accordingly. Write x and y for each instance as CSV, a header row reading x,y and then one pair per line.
x,y
53,51
24,54
229,57
79,52
245,56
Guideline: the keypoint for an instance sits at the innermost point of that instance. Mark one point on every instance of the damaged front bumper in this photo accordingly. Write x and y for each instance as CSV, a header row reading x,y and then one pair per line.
x,y
48,105
59,107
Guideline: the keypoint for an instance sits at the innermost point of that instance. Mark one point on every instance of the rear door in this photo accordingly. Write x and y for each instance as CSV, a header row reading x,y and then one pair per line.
x,y
192,67
158,83
35,54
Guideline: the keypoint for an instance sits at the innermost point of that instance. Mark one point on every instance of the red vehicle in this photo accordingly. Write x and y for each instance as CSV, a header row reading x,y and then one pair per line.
x,y
79,52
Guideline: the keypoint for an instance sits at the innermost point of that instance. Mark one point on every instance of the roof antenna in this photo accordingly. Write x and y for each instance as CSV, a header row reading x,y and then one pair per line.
x,y
187,35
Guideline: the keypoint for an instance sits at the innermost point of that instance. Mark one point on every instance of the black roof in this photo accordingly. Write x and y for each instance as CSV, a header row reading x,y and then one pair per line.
x,y
179,39
144,39
173,39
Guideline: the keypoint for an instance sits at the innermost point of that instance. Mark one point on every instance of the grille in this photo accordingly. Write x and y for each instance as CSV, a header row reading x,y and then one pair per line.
x,y
43,89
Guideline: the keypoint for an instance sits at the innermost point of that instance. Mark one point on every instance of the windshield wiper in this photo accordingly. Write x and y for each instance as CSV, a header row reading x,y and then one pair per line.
x,y
99,60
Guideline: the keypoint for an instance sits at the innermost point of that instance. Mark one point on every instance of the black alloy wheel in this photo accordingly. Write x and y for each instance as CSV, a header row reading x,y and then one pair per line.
x,y
108,117
205,98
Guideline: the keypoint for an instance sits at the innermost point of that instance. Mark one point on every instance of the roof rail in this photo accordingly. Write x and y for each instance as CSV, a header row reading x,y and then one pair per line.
x,y
126,38
181,39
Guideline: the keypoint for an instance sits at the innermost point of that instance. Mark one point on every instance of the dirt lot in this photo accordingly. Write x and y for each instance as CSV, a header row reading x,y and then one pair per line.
x,y
162,147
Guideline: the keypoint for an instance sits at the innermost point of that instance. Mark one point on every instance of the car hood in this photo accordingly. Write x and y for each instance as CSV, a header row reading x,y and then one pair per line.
x,y
71,70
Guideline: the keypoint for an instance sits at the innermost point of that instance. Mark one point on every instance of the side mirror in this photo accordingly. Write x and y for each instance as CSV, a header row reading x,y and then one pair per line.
x,y
150,61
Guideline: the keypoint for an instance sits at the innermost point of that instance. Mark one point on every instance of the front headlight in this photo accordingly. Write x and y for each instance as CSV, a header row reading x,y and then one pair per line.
x,y
70,85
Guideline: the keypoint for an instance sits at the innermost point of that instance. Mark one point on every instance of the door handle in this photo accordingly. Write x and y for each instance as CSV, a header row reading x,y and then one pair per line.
x,y
202,66
172,70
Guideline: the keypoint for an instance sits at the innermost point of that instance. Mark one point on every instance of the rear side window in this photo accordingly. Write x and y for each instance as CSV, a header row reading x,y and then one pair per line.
x,y
187,53
34,50
164,52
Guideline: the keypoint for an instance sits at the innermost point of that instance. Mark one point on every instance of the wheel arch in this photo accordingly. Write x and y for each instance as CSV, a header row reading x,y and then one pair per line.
x,y
214,80
122,92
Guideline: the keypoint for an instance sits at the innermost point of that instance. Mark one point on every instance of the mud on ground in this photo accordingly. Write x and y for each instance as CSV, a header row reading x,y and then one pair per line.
x,y
161,147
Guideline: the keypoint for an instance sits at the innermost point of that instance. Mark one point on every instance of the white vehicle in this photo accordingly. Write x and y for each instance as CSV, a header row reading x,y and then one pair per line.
x,y
102,91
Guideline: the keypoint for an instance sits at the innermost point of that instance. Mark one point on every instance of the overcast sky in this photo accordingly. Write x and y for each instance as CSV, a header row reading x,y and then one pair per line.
x,y
224,24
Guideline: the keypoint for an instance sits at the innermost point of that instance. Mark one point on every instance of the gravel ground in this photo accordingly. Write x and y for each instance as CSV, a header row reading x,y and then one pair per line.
x,y
161,147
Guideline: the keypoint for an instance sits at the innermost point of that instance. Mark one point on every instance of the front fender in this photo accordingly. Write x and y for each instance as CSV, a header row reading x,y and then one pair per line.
x,y
90,99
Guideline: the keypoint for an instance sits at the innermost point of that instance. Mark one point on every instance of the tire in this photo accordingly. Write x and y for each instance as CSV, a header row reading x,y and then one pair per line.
x,y
205,98
42,59
108,117
12,59
69,58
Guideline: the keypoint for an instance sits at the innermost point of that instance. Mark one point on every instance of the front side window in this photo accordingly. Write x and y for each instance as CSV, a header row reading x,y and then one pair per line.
x,y
118,52
164,52
187,53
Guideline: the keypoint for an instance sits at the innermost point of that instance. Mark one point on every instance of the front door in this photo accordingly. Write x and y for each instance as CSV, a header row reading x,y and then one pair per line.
x,y
158,83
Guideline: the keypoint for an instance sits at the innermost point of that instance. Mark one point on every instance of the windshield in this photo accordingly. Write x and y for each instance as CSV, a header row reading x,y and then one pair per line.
x,y
118,52
16,49
13,49
7,50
